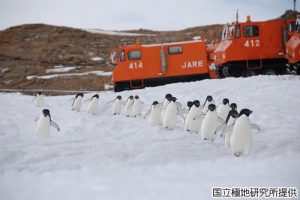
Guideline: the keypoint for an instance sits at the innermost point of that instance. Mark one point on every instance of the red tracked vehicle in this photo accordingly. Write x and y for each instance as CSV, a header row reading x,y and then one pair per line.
x,y
251,48
140,65
293,49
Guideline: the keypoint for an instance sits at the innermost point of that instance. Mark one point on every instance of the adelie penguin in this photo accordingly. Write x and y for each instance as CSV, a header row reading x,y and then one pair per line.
x,y
165,104
154,114
170,116
223,109
167,100
93,106
210,123
192,123
209,100
136,107
241,138
77,102
117,105
39,99
128,106
44,123
226,128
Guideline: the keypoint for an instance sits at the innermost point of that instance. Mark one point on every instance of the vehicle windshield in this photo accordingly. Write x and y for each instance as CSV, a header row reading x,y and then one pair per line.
x,y
228,32
115,56
298,25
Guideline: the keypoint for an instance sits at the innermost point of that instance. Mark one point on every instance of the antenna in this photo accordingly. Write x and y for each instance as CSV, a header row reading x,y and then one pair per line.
x,y
295,5
237,15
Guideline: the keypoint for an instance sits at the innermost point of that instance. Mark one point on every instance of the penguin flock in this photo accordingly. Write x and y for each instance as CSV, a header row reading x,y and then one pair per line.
x,y
223,121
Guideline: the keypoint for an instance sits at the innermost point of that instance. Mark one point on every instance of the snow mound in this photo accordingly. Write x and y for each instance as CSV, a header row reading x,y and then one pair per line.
x,y
114,157
117,33
97,73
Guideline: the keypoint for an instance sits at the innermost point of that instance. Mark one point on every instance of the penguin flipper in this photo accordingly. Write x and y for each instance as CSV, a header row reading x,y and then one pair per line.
x,y
227,129
181,115
221,127
33,99
73,101
146,115
254,126
220,120
55,125
111,101
179,105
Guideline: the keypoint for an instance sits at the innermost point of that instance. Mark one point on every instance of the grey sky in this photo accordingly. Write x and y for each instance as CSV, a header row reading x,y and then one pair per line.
x,y
134,14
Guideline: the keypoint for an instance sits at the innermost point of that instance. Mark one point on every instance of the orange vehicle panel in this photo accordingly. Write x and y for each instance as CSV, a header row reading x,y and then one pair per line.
x,y
293,49
182,58
267,45
251,48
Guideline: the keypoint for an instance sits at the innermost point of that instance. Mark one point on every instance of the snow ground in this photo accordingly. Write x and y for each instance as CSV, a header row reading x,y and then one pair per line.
x,y
97,72
96,59
118,33
60,69
113,157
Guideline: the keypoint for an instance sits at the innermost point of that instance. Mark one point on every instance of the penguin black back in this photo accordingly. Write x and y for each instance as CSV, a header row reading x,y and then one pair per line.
x,y
225,101
79,94
212,107
189,104
174,99
245,111
196,103
233,106
208,98
96,96
155,103
46,113
233,114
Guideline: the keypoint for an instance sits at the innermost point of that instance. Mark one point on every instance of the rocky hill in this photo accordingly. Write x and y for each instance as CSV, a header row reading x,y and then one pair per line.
x,y
40,56
34,49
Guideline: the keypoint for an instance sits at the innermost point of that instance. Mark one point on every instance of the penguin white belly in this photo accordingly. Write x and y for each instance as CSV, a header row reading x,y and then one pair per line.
x,y
42,130
209,126
227,134
170,116
187,122
77,104
195,123
93,105
155,117
223,111
117,107
240,141
39,100
136,108
165,105
128,108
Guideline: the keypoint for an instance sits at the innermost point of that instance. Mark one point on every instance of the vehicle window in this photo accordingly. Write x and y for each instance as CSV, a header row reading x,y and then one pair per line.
x,y
122,56
238,31
175,50
134,55
251,31
292,27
